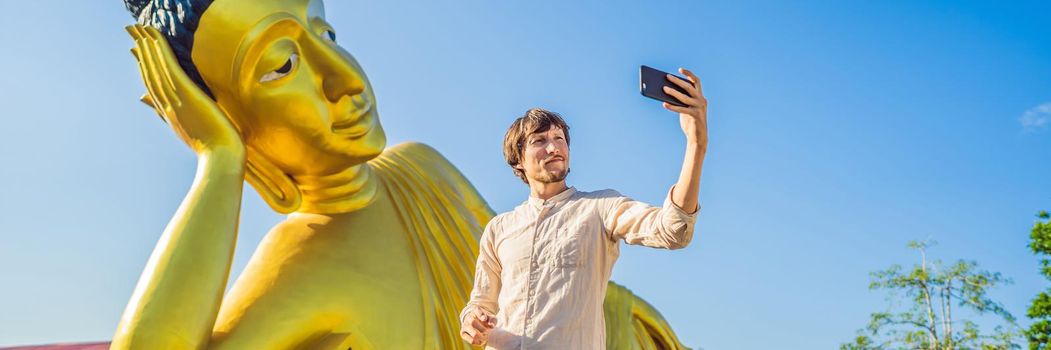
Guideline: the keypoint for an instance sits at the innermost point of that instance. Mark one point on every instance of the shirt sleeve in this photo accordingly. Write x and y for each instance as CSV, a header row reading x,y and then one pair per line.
x,y
639,223
486,288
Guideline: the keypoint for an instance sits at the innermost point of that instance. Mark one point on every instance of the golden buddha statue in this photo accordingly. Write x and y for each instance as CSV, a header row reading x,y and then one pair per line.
x,y
379,246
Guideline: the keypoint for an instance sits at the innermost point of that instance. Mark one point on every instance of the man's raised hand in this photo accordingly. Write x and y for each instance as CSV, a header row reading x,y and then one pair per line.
x,y
693,118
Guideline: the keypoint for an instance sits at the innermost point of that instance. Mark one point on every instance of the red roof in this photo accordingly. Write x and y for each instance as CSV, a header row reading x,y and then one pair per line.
x,y
67,346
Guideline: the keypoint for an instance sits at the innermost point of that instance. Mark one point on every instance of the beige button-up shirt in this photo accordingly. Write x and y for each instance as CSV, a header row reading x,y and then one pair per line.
x,y
543,267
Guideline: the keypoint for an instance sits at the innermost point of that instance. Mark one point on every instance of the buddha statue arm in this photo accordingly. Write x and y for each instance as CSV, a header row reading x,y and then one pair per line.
x,y
177,298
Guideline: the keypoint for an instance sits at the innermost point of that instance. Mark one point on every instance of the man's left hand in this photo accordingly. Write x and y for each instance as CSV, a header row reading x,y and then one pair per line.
x,y
693,118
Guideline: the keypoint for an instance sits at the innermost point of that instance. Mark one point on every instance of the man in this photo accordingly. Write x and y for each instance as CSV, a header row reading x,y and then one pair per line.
x,y
543,267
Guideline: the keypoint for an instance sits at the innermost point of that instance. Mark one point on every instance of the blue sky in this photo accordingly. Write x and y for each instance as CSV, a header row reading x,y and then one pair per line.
x,y
839,132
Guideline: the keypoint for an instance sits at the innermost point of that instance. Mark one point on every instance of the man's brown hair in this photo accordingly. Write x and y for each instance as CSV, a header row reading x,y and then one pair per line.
x,y
535,120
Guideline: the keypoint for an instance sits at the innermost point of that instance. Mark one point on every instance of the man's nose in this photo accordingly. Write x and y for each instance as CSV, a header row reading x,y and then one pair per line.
x,y
551,148
338,75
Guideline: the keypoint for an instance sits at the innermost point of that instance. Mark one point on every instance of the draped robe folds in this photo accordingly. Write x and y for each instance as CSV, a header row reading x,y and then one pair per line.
x,y
444,225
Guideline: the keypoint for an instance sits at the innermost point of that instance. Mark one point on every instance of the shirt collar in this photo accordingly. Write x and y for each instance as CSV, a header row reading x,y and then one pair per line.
x,y
537,203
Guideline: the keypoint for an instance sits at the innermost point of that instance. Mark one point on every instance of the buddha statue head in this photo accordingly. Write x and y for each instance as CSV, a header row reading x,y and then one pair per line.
x,y
300,102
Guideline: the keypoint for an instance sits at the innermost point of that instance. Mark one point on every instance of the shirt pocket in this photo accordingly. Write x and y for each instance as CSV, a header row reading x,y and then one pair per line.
x,y
567,249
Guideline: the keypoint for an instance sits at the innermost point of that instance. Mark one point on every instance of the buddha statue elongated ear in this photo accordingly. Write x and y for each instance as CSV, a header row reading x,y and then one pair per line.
x,y
276,187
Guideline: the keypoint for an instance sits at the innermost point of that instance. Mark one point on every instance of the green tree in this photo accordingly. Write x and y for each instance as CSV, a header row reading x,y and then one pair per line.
x,y
930,291
1039,333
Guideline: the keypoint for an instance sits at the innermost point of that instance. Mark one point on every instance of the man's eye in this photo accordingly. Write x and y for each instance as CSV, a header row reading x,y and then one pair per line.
x,y
282,71
330,35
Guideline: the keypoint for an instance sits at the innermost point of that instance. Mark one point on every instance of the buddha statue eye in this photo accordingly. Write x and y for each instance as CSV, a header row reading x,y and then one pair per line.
x,y
330,35
282,71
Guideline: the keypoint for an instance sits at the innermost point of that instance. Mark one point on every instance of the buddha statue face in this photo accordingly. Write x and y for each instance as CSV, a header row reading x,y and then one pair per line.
x,y
301,103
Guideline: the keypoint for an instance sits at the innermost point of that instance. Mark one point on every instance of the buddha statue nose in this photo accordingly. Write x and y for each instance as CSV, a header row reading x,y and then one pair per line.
x,y
338,75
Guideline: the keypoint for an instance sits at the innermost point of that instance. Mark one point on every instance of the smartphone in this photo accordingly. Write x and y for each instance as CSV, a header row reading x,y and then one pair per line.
x,y
652,82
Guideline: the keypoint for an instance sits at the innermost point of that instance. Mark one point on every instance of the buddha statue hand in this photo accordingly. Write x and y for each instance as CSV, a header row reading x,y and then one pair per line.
x,y
191,113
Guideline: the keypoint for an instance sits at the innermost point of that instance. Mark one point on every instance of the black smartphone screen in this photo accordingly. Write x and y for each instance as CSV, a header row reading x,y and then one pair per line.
x,y
652,82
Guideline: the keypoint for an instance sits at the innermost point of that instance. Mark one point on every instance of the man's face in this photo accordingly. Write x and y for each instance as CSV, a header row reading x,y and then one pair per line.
x,y
545,157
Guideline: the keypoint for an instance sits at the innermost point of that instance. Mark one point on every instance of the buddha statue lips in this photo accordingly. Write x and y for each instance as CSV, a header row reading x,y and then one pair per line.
x,y
357,121
379,246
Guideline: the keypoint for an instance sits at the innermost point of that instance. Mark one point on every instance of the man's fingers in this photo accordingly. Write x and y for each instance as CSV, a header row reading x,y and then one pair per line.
x,y
489,320
468,332
467,337
677,109
686,100
685,85
471,335
486,318
483,326
693,78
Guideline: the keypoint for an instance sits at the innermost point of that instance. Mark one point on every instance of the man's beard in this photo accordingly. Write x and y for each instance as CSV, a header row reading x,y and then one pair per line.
x,y
549,177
